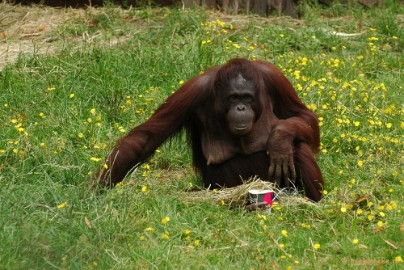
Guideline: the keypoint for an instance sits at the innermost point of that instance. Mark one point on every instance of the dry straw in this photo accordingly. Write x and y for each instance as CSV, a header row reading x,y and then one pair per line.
x,y
236,197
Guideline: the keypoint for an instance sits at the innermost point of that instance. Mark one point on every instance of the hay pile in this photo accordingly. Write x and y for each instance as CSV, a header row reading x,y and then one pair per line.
x,y
237,197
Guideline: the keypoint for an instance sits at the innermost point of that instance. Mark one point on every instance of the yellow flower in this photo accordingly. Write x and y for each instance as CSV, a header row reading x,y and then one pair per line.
x,y
165,236
285,233
165,220
360,163
343,209
62,205
316,246
146,166
187,231
95,159
398,259
144,189
355,241
149,229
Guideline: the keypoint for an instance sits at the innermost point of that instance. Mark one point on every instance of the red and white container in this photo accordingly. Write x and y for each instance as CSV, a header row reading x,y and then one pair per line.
x,y
258,196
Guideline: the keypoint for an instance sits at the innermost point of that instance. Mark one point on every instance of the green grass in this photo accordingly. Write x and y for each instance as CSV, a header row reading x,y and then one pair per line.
x,y
61,113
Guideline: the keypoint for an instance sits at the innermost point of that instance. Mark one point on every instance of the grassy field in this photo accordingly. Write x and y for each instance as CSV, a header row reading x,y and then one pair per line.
x,y
105,70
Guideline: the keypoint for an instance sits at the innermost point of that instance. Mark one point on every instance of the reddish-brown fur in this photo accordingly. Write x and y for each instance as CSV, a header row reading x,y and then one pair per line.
x,y
285,132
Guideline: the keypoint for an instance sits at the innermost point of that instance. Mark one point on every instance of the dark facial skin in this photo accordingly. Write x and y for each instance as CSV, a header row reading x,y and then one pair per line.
x,y
241,100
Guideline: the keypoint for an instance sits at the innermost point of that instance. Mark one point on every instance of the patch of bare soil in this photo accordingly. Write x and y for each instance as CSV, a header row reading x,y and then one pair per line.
x,y
26,29
32,30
